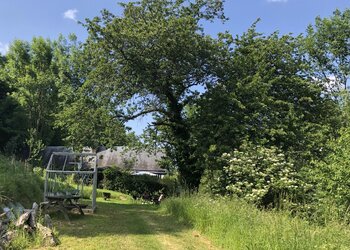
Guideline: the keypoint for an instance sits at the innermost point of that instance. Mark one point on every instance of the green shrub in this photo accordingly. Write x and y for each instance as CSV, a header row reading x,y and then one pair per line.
x,y
257,174
136,185
332,179
38,171
171,184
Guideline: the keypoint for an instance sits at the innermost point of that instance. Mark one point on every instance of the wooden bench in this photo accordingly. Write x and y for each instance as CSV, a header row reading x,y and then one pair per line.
x,y
63,203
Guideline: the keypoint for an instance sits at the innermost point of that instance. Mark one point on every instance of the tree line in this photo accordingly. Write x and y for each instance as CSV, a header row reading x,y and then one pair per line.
x,y
208,96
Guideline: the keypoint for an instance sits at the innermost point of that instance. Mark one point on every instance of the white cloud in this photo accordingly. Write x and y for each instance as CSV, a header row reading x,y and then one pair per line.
x,y
71,14
277,1
4,48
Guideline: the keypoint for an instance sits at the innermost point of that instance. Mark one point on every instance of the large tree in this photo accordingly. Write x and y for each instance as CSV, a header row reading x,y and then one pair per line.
x,y
48,79
265,96
13,119
31,73
83,116
327,44
155,59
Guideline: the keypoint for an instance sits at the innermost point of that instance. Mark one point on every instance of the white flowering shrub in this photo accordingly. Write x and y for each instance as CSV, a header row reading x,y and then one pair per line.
x,y
258,174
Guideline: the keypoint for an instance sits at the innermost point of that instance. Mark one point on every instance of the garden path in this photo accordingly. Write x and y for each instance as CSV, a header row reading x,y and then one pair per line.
x,y
126,225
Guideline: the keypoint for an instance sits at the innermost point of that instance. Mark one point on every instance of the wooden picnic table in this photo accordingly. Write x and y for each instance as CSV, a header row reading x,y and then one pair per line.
x,y
63,203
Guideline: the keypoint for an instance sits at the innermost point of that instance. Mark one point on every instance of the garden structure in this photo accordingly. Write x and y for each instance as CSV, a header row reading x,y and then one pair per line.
x,y
66,175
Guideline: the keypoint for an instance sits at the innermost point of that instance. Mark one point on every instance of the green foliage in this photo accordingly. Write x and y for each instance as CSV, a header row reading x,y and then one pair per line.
x,y
332,178
254,172
264,97
47,99
234,224
257,174
18,183
87,124
35,148
21,241
327,45
149,61
13,118
172,185
136,185
109,178
39,171
31,72
84,118
13,127
25,240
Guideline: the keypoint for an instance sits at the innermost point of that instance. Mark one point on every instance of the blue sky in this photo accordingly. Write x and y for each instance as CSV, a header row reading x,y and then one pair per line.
x,y
24,19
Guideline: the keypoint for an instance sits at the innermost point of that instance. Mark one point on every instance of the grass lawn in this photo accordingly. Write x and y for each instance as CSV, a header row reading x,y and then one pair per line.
x,y
122,224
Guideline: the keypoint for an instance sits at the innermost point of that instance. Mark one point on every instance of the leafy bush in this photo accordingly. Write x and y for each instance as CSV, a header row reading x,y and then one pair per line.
x,y
136,185
172,185
38,171
332,179
257,174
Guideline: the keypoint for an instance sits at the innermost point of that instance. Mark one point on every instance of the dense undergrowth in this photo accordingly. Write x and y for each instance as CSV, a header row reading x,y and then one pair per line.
x,y
18,183
234,224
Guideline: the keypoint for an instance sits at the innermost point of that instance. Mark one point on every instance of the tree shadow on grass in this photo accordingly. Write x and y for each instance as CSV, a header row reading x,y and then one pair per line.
x,y
119,219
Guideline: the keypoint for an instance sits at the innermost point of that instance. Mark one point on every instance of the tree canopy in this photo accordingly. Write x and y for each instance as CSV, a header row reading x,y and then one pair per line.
x,y
265,96
155,58
327,44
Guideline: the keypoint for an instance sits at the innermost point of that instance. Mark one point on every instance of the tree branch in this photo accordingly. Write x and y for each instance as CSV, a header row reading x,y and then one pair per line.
x,y
141,113
162,123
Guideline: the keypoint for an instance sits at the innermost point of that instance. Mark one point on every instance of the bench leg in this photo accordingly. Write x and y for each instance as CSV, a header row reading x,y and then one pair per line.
x,y
64,211
81,210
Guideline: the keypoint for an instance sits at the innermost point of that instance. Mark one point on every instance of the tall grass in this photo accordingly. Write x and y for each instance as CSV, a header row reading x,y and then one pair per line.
x,y
234,224
18,183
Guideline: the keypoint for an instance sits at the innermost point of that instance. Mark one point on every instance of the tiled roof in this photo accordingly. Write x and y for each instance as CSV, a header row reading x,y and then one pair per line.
x,y
137,160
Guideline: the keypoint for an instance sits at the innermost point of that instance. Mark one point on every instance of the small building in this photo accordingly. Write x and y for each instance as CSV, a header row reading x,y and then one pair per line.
x,y
139,162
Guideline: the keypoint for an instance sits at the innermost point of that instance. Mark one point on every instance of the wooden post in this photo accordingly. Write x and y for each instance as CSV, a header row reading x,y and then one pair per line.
x,y
65,162
94,187
47,177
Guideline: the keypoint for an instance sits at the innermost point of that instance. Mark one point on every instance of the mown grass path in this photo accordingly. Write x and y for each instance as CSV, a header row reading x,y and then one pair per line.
x,y
127,226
